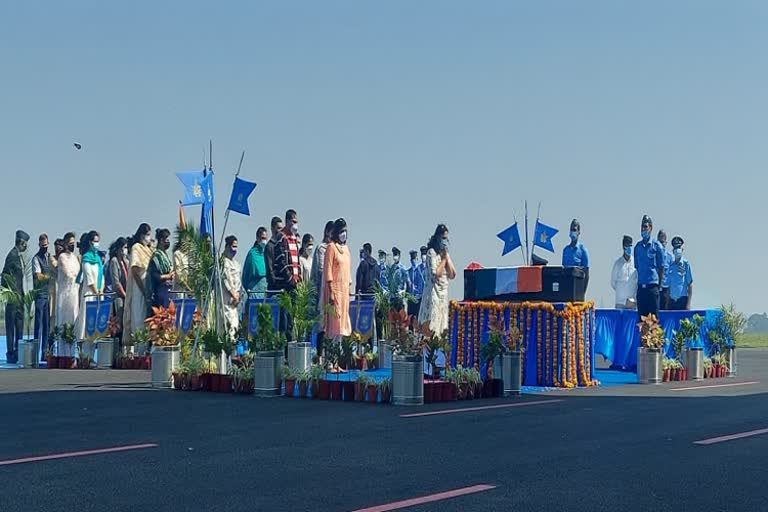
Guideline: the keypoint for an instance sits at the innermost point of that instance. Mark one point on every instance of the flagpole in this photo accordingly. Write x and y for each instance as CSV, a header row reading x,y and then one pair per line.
x,y
527,248
522,252
226,213
538,216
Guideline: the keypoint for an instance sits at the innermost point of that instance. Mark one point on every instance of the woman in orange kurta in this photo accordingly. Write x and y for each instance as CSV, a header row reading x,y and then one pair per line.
x,y
337,278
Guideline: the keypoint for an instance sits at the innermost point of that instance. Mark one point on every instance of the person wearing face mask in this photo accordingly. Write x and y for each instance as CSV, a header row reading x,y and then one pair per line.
x,y
91,283
318,269
624,277
664,302
575,254
367,274
383,266
291,247
337,276
305,257
232,285
680,278
416,278
13,278
67,290
440,270
254,269
401,277
136,299
181,267
41,280
649,262
160,273
118,269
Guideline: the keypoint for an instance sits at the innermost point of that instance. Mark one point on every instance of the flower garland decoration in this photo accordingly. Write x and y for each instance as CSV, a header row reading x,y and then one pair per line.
x,y
539,349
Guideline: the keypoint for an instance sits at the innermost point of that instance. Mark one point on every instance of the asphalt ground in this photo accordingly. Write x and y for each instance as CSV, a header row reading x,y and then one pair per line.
x,y
622,448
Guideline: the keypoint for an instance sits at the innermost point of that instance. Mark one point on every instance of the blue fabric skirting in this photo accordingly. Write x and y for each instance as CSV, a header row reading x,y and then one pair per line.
x,y
617,336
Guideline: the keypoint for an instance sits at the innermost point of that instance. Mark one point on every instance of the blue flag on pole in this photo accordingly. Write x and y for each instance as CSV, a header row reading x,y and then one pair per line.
x,y
241,190
543,236
206,217
511,239
193,188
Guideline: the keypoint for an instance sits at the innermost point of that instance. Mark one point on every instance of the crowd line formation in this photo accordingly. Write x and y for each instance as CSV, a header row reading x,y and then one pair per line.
x,y
141,272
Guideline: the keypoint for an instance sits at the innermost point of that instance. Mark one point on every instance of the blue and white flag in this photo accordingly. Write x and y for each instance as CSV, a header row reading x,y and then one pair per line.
x,y
241,190
193,187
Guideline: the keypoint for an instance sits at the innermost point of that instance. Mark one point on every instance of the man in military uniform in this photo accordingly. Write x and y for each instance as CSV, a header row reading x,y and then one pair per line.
x,y
13,278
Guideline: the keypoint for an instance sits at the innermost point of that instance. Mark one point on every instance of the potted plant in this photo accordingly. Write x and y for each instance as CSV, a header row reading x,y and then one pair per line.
x,y
450,390
407,362
372,392
371,360
24,303
51,360
267,345
649,369
389,303
289,379
386,390
333,353
303,378
163,338
666,366
242,374
300,306
360,386
723,333
491,353
319,388
707,363
68,337
83,358
512,360
194,369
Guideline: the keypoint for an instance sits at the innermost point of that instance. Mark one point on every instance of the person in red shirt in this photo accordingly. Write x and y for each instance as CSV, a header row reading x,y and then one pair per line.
x,y
292,241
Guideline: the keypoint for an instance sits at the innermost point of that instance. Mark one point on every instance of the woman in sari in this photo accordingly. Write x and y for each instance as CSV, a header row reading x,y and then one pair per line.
x,y
91,285
67,299
160,274
135,300
118,269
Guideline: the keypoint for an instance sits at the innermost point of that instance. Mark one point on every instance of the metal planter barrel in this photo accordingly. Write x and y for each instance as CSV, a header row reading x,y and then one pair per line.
x,y
105,352
649,369
28,353
385,355
266,373
694,363
511,373
497,371
407,380
165,360
730,354
299,355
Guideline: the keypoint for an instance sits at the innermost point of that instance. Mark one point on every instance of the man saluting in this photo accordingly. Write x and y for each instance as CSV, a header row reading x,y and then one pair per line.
x,y
649,262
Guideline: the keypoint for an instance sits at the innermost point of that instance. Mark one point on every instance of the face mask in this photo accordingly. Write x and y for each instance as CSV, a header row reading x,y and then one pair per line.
x,y
125,252
343,237
382,259
396,259
295,229
233,252
147,239
362,256
262,243
95,245
423,258
71,248
23,248
628,251
414,262
646,235
574,236
444,244
310,249
44,250
678,253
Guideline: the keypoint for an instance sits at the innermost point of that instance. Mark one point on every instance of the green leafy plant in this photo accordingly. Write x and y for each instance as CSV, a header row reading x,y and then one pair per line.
x,y
727,327
686,335
385,385
196,278
347,351
316,373
68,334
300,305
11,295
212,342
288,373
651,333
267,339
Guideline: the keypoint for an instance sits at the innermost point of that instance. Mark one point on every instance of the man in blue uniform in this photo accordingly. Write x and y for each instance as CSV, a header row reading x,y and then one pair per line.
x,y
416,277
649,262
679,278
664,302
575,254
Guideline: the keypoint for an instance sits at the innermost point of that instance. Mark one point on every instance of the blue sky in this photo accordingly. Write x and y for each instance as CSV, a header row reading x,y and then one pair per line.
x,y
397,116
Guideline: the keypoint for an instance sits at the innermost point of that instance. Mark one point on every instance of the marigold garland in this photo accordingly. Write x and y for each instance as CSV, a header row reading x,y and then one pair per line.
x,y
563,351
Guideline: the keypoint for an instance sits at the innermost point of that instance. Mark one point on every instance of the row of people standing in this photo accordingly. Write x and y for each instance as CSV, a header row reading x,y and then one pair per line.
x,y
649,277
